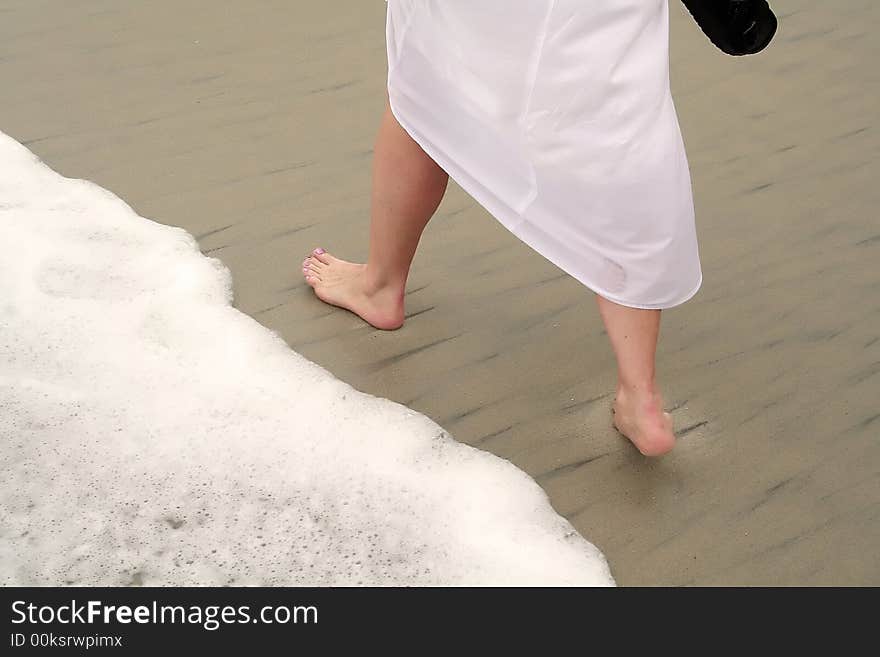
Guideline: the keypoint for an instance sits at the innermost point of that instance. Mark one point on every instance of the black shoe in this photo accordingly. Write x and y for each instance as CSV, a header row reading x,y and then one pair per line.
x,y
737,27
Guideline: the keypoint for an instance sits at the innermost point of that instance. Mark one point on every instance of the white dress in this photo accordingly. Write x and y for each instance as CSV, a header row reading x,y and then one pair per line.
x,y
557,117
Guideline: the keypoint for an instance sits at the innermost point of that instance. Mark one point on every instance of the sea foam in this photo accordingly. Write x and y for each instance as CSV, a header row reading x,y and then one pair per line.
x,y
152,434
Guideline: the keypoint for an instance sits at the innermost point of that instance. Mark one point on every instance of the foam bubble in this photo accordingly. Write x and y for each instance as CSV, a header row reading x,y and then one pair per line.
x,y
152,434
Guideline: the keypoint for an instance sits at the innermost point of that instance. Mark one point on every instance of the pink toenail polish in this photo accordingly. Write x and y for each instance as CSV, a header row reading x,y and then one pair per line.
x,y
319,251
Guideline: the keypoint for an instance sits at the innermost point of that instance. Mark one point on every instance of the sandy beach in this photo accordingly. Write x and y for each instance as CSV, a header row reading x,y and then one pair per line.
x,y
251,126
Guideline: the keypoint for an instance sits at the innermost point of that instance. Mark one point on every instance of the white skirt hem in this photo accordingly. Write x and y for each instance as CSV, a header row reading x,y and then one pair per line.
x,y
498,211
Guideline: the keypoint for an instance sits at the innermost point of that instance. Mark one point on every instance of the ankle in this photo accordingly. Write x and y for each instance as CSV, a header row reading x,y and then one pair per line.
x,y
381,282
637,389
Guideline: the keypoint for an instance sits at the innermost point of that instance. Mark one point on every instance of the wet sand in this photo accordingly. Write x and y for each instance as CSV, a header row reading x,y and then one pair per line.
x,y
252,127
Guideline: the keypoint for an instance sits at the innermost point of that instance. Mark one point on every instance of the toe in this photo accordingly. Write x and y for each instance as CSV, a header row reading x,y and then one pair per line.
x,y
321,255
312,276
310,272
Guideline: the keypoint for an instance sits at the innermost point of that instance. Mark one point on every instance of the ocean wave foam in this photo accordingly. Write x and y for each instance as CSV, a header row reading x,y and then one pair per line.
x,y
152,434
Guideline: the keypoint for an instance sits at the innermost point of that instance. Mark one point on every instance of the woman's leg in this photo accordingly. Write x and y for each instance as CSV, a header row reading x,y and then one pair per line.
x,y
638,406
407,189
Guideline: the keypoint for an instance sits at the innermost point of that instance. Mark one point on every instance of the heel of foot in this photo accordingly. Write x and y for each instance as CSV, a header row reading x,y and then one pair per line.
x,y
651,442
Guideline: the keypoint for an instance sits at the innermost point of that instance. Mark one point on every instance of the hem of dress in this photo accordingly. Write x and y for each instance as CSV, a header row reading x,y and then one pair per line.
x,y
474,191
665,306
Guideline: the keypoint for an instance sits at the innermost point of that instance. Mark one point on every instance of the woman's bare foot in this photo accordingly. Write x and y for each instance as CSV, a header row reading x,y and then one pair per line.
x,y
348,285
640,417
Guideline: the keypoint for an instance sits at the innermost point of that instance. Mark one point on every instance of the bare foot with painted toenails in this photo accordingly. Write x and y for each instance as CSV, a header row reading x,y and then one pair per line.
x,y
352,286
